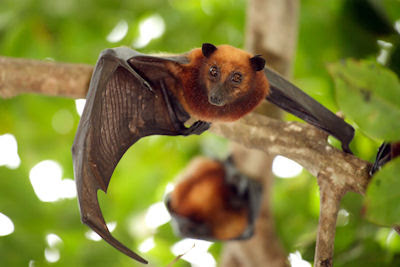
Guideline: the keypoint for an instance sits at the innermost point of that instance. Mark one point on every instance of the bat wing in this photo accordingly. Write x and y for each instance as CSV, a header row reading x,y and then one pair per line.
x,y
121,108
290,98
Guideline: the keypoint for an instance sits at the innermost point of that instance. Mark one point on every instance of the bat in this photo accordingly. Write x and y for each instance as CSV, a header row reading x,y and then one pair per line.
x,y
386,152
133,95
214,201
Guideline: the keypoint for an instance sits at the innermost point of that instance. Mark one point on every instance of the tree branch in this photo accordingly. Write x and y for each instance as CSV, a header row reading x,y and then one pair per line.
x,y
302,143
18,76
330,197
336,171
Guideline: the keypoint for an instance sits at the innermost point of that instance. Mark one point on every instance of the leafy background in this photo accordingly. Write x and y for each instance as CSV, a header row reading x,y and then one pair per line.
x,y
76,31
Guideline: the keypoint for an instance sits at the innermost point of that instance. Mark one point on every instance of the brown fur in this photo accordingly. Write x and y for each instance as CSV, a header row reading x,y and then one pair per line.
x,y
194,79
203,196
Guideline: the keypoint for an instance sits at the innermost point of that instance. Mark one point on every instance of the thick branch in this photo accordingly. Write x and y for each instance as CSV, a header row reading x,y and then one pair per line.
x,y
302,143
336,171
18,76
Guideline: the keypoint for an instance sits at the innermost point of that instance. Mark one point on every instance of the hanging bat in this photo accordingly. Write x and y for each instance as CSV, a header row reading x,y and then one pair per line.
x,y
133,95
214,201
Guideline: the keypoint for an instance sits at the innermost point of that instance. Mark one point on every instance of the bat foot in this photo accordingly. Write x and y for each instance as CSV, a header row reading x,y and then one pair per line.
x,y
197,128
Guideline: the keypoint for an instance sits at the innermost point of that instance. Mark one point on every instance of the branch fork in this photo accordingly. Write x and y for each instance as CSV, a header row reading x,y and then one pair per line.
x,y
337,172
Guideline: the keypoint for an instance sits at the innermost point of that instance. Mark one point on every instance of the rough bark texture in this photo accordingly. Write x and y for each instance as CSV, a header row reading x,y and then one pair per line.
x,y
18,76
337,172
272,32
303,143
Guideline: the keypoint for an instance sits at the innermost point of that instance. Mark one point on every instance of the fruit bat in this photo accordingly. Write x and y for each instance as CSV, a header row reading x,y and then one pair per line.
x,y
133,95
214,201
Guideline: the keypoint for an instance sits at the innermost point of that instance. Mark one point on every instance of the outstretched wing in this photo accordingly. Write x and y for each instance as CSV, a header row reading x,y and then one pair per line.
x,y
290,98
121,108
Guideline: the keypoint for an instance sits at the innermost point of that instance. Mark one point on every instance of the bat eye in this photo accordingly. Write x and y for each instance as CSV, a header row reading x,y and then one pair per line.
x,y
237,77
214,71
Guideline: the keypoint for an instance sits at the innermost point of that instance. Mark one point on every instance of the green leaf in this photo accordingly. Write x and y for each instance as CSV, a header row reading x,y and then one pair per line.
x,y
382,200
369,94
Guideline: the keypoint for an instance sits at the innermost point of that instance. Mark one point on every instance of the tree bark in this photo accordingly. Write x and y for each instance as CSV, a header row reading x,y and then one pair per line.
x,y
19,76
271,32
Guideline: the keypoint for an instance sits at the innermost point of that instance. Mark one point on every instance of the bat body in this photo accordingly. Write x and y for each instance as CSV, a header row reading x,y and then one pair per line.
x,y
214,201
133,95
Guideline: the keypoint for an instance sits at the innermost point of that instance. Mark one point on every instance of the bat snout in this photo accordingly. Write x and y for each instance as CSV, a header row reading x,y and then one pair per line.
x,y
216,101
216,97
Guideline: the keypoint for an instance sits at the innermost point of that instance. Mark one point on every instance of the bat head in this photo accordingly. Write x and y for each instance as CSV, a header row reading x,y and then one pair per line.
x,y
229,73
229,83
214,201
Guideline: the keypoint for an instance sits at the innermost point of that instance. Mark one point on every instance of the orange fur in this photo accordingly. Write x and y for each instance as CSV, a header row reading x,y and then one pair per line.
x,y
193,78
203,196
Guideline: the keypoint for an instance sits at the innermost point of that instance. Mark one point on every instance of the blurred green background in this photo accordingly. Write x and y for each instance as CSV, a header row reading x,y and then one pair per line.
x,y
44,127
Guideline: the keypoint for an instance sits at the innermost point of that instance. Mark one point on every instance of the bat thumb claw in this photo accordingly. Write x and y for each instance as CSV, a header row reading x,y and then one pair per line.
x,y
146,84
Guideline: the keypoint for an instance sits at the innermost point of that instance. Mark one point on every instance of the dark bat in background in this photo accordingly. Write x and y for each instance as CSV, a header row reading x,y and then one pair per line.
x,y
214,201
133,95
386,152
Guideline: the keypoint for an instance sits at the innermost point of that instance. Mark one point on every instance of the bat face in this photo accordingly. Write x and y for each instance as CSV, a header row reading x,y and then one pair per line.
x,y
228,78
222,83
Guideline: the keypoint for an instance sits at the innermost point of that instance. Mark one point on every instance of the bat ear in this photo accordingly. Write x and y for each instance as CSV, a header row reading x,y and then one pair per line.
x,y
257,63
208,49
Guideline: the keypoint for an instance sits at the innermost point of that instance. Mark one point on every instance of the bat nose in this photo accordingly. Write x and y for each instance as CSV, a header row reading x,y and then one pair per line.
x,y
215,100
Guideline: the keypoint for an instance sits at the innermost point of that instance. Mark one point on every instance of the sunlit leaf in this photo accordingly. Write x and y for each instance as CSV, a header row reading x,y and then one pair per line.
x,y
382,200
369,94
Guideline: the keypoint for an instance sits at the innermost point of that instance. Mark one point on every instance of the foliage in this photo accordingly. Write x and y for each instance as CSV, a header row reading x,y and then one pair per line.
x,y
369,94
76,31
382,202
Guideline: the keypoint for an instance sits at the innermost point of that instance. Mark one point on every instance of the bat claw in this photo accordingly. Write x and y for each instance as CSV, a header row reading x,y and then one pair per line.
x,y
346,148
197,128
146,84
